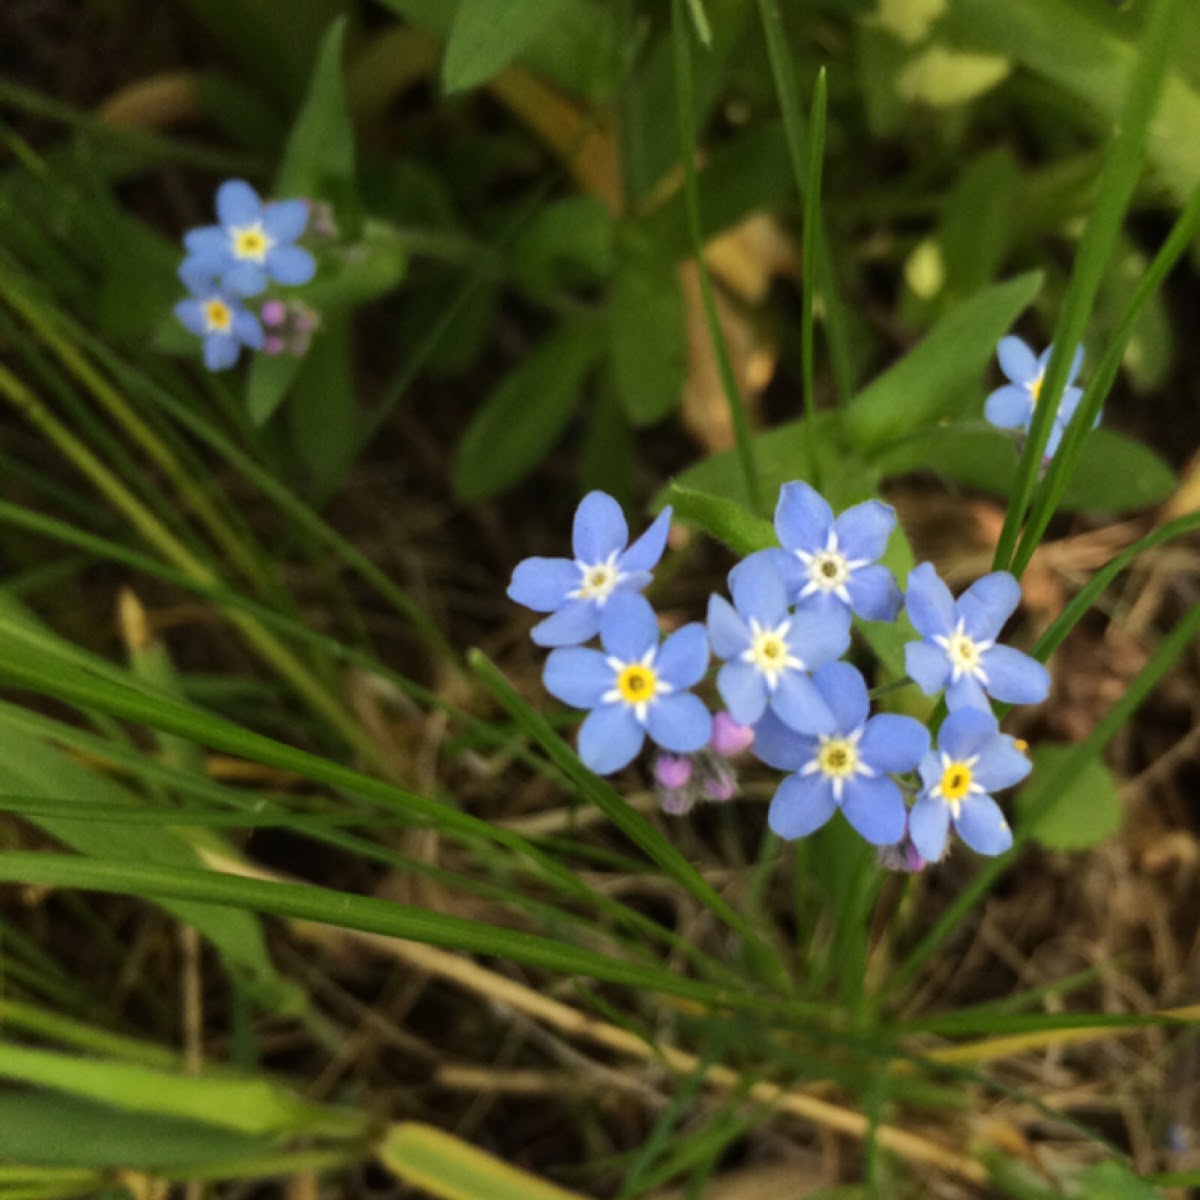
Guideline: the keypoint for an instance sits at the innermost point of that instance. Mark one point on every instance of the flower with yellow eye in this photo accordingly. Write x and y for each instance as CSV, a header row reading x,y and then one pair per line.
x,y
634,686
223,323
1012,405
972,760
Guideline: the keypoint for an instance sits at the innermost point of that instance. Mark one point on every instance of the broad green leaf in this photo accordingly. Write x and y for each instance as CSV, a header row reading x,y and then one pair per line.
x,y
647,330
943,78
523,418
319,159
976,223
485,37
34,1125
726,520
934,380
1085,813
567,242
1114,473
1112,1180
322,413
369,268
267,383
449,1168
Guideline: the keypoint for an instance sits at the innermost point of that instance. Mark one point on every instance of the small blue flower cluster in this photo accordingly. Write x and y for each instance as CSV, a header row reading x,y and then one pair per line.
x,y
787,693
253,246
1012,405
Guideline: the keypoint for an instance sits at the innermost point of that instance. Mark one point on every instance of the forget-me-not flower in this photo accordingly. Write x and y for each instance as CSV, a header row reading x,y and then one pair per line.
x,y
770,651
959,651
224,324
253,245
1012,405
830,563
847,768
972,760
576,591
633,687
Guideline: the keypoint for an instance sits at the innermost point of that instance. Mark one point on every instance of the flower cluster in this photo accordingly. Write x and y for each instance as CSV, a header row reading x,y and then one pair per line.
x,y
787,692
1012,405
252,247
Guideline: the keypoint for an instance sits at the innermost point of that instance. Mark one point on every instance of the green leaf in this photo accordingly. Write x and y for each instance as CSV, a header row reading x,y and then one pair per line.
x,y
1114,473
319,159
1086,812
487,36
935,379
726,520
566,242
522,419
1113,1181
270,379
977,222
647,329
322,412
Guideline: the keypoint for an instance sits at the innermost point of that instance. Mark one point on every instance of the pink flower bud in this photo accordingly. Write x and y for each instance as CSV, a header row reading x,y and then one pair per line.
x,y
728,737
274,312
273,345
672,771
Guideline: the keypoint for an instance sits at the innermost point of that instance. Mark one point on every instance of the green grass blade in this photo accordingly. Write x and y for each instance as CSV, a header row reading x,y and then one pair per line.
x,y
812,220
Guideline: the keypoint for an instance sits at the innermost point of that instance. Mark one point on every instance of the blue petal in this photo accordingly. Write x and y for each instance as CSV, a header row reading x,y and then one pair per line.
x,y
247,330
791,571
599,528
802,518
966,732
874,593
927,666
928,825
744,691
285,220
1000,764
1076,365
929,603
930,769
1009,407
1015,678
191,315
876,809
797,703
238,203
577,621
578,677
610,738
290,265
817,638
966,692
245,279
221,351
543,583
982,826
208,244
800,805
628,627
683,657
988,603
197,274
1018,362
780,746
758,590
844,690
644,554
894,743
863,530
727,632
680,723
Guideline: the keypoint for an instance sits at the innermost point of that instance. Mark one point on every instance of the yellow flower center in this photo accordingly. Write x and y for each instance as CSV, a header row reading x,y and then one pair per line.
x,y
251,242
218,316
598,582
1035,388
837,757
956,782
768,651
637,683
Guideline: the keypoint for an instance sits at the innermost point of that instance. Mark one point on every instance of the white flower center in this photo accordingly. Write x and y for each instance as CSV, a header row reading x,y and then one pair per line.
x,y
251,242
838,759
828,570
768,651
597,581
636,684
957,782
965,653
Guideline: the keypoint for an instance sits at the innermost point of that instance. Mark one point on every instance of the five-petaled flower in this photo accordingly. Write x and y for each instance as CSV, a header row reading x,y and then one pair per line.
x,y
576,592
846,768
770,651
223,323
830,563
972,760
633,687
1012,405
253,245
959,651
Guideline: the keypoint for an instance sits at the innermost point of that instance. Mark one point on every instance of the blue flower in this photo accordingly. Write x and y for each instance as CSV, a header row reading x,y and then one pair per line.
x,y
830,564
973,759
223,323
575,592
1012,406
959,651
847,768
770,650
253,244
634,687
